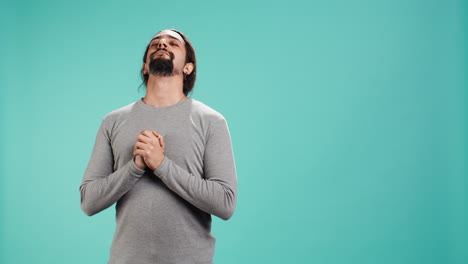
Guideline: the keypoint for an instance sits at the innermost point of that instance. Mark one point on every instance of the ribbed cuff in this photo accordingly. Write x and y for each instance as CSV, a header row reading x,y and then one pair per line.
x,y
134,170
162,168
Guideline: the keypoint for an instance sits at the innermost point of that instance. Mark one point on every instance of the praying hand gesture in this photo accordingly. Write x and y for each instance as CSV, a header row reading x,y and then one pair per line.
x,y
149,150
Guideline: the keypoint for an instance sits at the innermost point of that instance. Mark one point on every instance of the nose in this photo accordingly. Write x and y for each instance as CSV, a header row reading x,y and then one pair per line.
x,y
161,43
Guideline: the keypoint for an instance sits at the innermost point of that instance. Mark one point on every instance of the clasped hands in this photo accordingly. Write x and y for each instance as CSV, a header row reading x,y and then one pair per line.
x,y
148,151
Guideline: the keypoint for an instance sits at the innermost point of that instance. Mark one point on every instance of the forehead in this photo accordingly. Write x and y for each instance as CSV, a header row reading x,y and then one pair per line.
x,y
168,34
164,36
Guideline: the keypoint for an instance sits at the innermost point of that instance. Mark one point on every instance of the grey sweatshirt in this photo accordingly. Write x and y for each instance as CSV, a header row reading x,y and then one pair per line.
x,y
162,216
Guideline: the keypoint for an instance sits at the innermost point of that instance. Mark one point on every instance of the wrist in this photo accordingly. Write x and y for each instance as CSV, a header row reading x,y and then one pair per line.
x,y
159,164
138,163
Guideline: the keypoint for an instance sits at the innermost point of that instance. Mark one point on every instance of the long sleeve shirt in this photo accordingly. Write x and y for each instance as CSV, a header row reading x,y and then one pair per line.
x,y
162,216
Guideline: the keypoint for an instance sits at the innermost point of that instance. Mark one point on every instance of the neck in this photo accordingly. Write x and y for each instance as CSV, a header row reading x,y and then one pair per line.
x,y
164,90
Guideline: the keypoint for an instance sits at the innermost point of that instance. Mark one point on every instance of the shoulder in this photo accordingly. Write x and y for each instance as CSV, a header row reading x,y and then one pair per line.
x,y
115,115
210,120
206,112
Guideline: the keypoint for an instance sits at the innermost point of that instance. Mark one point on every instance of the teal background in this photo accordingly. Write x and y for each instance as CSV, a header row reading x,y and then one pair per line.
x,y
348,121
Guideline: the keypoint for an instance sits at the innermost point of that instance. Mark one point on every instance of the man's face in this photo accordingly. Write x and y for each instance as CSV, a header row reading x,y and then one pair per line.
x,y
165,57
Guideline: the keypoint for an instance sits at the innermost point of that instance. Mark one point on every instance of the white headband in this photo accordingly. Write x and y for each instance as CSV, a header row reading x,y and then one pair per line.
x,y
170,33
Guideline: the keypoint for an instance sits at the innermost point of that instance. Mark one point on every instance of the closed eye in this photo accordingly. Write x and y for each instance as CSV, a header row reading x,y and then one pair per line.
x,y
172,43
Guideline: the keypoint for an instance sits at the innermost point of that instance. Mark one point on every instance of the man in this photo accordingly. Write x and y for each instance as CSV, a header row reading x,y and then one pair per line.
x,y
167,162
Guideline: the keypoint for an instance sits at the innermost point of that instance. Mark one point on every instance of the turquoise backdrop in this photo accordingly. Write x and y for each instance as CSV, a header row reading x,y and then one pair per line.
x,y
349,122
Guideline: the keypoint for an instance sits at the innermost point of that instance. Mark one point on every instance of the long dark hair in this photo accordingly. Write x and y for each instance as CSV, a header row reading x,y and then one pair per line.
x,y
189,80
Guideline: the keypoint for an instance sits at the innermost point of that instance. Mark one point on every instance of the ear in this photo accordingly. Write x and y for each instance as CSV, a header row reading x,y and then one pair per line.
x,y
144,68
188,68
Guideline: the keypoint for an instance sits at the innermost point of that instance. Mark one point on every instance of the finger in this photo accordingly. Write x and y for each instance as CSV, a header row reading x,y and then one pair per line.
x,y
162,142
155,133
140,145
140,152
151,138
135,146
160,138
145,139
135,150
148,133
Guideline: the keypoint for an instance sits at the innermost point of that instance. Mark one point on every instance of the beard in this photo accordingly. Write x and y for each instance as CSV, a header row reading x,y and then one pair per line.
x,y
161,66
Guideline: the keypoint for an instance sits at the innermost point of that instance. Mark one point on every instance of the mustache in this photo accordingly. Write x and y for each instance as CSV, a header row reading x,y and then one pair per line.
x,y
171,55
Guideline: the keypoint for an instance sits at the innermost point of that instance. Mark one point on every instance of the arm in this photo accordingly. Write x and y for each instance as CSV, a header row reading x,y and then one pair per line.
x,y
101,186
216,193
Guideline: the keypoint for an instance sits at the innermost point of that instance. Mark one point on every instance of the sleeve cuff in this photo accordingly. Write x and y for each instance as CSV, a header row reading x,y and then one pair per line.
x,y
134,170
162,168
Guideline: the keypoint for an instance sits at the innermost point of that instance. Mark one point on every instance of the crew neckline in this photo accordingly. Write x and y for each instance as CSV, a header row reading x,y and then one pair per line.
x,y
141,103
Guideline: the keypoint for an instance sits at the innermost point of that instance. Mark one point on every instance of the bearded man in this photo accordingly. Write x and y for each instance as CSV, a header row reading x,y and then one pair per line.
x,y
166,161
